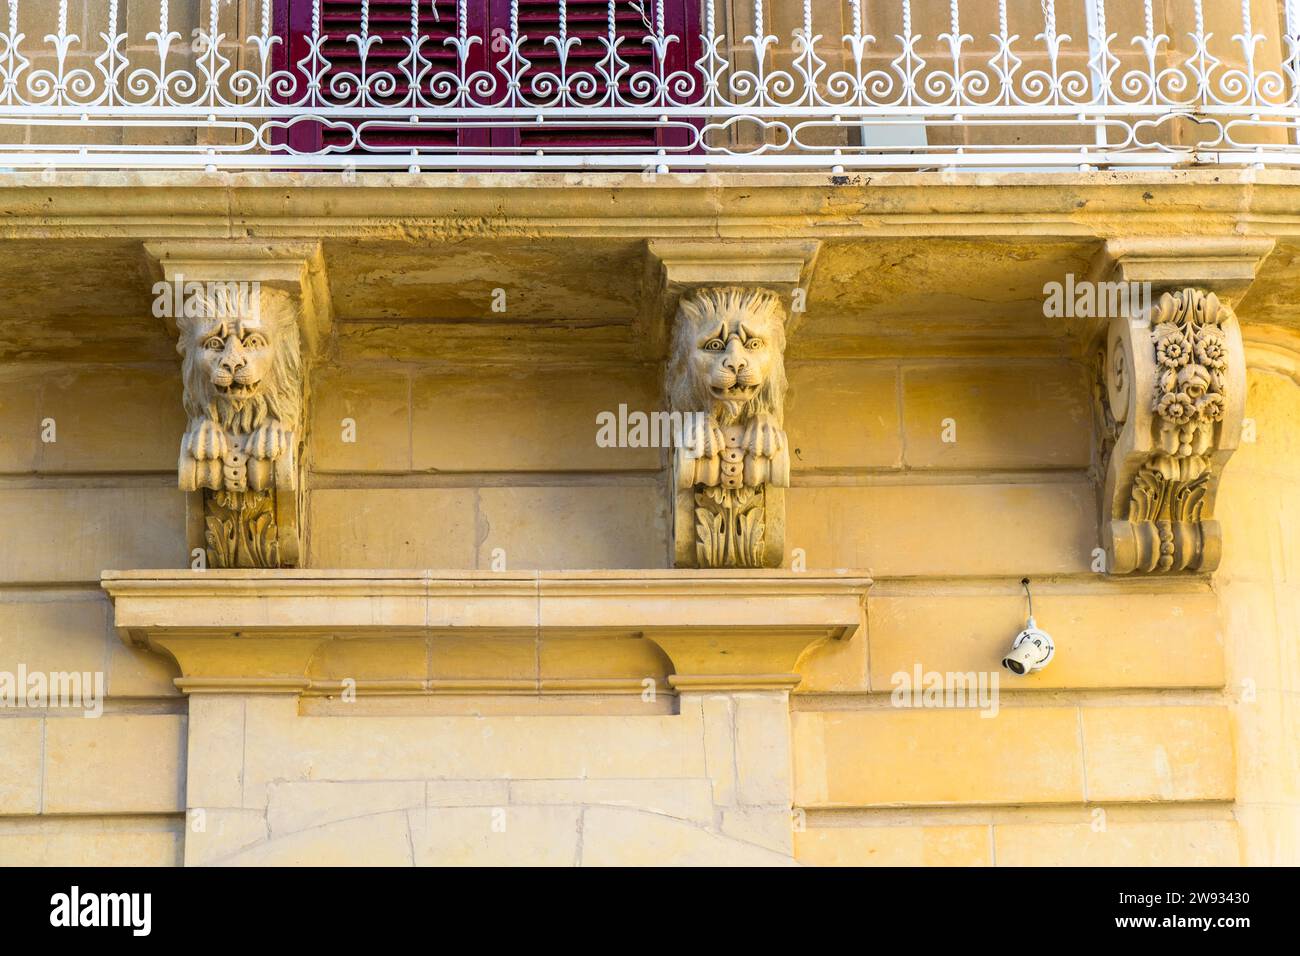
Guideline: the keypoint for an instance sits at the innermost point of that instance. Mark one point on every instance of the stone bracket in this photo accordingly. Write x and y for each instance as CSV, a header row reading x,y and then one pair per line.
x,y
712,661
781,264
241,458
1224,265
1171,401
1170,395
727,488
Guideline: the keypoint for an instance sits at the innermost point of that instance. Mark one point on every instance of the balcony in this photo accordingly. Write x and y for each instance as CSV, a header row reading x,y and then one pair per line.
x,y
648,85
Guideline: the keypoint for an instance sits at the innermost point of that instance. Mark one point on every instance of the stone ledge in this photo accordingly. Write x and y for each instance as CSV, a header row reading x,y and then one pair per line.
x,y
242,631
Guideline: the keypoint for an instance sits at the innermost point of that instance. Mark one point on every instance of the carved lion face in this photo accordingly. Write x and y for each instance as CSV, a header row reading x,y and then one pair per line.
x,y
728,354
236,356
240,368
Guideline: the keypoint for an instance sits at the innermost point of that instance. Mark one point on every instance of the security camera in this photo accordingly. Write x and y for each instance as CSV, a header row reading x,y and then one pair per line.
x,y
1033,649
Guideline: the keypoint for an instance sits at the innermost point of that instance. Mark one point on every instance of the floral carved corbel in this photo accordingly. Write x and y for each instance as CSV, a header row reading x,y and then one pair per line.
x,y
243,379
726,382
1171,400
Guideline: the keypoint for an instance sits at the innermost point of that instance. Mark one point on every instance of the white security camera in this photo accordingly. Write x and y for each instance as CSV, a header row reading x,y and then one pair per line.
x,y
1032,650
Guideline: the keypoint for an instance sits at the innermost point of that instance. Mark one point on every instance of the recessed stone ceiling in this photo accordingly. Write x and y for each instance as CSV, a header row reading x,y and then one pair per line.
x,y
897,279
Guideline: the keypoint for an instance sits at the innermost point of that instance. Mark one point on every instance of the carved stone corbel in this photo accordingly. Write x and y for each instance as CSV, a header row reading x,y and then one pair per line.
x,y
247,321
726,380
1173,389
242,372
725,384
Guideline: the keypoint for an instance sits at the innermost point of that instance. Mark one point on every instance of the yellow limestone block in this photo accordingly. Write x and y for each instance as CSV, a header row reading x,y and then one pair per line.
x,y
894,846
1158,753
918,757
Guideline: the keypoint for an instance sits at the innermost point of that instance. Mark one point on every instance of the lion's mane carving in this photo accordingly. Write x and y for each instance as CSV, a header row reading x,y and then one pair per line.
x,y
728,356
242,374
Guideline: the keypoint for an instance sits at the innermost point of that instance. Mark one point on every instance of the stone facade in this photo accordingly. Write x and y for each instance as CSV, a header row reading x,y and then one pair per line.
x,y
479,634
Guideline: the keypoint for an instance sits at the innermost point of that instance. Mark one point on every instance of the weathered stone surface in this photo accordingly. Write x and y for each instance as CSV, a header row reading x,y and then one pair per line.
x,y
1157,753
92,841
496,836
572,527
528,421
361,419
299,805
894,846
891,529
109,419
843,415
1154,843
392,527
1095,628
55,631
72,534
115,764
383,839
20,788
634,838
959,416
1023,756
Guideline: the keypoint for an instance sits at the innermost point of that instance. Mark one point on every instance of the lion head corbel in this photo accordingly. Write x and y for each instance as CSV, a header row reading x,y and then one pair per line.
x,y
242,375
726,381
243,379
727,371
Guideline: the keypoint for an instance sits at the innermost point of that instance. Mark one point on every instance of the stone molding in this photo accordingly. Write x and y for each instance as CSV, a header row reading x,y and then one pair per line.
x,y
249,317
259,631
1225,266
780,264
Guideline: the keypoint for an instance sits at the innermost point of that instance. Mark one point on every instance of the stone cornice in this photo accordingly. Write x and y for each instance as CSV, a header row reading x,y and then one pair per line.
x,y
1028,228
285,205
243,631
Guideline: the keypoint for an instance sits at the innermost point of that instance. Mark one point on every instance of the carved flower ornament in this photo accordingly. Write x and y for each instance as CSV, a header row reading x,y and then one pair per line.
x,y
1191,350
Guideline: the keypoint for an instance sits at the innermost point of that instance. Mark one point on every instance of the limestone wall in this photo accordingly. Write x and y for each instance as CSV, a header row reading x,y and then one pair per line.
x,y
1259,614
1136,746
108,790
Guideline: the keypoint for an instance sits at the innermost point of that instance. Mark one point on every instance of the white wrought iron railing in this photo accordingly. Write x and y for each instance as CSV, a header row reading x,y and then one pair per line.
x,y
876,88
